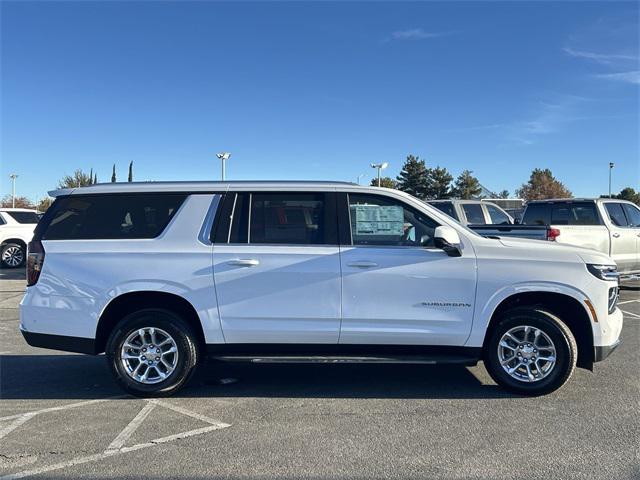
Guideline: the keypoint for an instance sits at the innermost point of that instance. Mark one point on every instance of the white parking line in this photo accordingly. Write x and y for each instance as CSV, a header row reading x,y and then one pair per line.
x,y
634,315
61,407
116,447
628,301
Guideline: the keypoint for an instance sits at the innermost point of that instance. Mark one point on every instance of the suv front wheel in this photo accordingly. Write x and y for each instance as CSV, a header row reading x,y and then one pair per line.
x,y
152,352
530,351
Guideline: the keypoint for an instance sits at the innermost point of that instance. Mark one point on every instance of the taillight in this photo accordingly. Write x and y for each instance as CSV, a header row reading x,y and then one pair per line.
x,y
35,260
552,234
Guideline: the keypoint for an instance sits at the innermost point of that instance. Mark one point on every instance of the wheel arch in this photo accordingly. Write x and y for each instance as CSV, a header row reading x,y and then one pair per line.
x,y
566,307
17,240
130,302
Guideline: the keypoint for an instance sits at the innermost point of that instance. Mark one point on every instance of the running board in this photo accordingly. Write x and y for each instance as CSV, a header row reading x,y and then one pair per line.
x,y
407,359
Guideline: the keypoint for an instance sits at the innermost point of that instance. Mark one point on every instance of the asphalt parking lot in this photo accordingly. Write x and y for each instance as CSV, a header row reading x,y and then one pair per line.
x,y
62,417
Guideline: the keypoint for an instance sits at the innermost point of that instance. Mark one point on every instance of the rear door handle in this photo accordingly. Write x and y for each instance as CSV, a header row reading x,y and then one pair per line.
x,y
245,262
615,235
362,264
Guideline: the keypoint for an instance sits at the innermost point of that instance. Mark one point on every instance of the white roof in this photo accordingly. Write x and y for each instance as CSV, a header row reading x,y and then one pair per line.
x,y
18,210
202,187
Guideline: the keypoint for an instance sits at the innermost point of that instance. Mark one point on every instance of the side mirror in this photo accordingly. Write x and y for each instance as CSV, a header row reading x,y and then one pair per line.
x,y
447,239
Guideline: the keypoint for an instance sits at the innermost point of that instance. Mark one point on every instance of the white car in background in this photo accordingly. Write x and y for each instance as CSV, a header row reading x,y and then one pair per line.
x,y
16,230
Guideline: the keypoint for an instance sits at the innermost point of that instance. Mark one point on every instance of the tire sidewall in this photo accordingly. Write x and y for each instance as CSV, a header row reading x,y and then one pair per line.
x,y
7,246
550,325
174,326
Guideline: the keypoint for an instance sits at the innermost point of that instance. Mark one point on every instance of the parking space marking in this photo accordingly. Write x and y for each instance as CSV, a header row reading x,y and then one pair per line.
x,y
628,301
634,315
116,447
61,407
130,429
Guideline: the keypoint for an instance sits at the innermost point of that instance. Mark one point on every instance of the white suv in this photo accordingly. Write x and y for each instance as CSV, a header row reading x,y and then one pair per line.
x,y
156,275
16,230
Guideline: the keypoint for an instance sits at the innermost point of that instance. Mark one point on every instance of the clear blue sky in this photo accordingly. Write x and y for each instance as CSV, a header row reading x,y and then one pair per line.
x,y
319,90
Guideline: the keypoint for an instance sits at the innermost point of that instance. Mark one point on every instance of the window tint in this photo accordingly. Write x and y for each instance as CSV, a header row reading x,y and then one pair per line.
x,y
240,219
446,207
24,217
473,212
537,214
616,214
111,216
291,218
574,214
497,216
633,214
2,221
377,220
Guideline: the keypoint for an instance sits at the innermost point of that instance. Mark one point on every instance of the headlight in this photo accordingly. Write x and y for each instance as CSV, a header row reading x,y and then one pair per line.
x,y
604,272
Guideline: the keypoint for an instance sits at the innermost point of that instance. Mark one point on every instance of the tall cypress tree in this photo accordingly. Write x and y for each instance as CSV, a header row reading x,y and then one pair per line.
x,y
130,178
113,175
95,178
413,177
91,176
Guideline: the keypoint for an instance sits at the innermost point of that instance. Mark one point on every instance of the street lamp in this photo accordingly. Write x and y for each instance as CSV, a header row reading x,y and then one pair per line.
x,y
13,177
359,177
223,156
611,165
379,166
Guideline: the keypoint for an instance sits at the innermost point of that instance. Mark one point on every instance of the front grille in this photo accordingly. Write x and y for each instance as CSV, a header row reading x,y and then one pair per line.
x,y
613,299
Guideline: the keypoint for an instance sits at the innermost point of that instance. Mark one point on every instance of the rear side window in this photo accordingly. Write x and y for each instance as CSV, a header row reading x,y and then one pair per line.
x,y
446,207
633,214
537,214
24,217
574,214
473,212
116,216
616,214
288,218
498,217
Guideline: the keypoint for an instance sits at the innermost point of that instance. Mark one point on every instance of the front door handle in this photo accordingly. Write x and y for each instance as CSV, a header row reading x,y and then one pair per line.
x,y
615,235
245,262
362,264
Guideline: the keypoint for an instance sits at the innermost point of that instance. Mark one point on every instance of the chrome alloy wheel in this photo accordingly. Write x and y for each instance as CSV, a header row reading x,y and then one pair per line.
x,y
13,256
149,355
527,353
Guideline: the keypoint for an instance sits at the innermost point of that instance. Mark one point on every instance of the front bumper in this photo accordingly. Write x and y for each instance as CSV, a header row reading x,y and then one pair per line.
x,y
601,353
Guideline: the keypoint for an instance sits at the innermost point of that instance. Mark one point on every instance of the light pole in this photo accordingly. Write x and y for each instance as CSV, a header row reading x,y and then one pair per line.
x,y
223,156
611,165
379,166
359,177
13,177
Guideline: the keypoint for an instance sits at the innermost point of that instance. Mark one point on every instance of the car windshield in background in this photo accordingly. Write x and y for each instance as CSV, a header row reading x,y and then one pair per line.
x,y
24,217
568,213
111,216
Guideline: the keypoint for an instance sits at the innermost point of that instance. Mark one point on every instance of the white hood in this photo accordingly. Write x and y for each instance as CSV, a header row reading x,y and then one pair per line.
x,y
586,254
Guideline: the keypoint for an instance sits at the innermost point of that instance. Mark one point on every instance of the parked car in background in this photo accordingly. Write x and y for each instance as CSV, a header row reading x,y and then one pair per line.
x,y
489,220
16,231
608,225
159,274
473,212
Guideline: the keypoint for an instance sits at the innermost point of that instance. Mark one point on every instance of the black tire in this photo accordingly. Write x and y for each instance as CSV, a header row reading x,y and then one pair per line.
x,y
185,340
555,329
9,251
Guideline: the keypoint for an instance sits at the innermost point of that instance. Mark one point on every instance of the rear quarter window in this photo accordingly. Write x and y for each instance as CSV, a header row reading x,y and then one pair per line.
x,y
24,217
572,213
113,216
537,214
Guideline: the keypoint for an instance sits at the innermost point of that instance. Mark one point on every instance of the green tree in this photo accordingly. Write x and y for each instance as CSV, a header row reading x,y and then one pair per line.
x,y
413,177
130,178
542,185
630,194
438,183
95,178
386,182
78,179
504,194
466,186
44,204
113,174
91,176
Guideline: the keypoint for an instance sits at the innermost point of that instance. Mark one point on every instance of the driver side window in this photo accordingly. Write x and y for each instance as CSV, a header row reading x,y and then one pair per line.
x,y
383,221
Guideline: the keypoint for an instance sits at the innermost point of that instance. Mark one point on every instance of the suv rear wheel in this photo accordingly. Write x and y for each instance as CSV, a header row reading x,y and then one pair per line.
x,y
530,352
12,255
152,352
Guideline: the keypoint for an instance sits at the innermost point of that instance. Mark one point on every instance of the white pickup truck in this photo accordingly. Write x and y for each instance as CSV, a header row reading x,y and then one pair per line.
x,y
608,225
16,231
